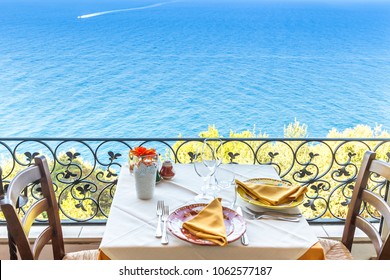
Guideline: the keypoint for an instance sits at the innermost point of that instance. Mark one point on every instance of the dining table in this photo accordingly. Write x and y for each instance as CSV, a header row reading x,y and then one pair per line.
x,y
131,224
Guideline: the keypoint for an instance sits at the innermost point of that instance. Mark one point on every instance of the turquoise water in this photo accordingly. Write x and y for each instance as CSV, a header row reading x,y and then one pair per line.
x,y
169,68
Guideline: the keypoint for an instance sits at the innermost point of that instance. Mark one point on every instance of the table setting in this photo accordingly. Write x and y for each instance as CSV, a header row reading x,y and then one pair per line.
x,y
231,211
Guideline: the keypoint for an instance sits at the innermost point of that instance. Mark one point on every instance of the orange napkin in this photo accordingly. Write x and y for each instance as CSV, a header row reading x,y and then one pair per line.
x,y
269,194
209,224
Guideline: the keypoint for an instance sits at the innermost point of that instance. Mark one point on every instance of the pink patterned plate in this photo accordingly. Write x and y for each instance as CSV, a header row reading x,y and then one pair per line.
x,y
234,223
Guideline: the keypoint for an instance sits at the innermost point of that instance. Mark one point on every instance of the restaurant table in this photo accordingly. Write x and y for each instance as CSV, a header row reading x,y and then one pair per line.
x,y
131,225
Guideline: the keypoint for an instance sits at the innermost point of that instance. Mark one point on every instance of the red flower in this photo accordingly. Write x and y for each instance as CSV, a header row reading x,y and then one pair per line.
x,y
142,151
142,155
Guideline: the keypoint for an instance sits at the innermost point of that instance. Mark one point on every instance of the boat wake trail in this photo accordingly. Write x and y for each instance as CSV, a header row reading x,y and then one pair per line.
x,y
125,10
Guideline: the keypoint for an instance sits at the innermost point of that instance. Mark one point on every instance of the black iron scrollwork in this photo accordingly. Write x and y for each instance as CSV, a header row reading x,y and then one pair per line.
x,y
193,156
85,171
30,157
232,156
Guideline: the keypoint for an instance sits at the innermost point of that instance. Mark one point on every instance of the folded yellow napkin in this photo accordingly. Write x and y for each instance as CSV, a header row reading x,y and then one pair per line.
x,y
209,224
269,194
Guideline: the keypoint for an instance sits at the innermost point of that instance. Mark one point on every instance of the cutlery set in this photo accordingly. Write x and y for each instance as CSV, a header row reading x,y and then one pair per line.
x,y
162,216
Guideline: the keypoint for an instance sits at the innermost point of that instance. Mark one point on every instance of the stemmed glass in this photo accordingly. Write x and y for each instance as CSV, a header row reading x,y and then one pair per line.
x,y
204,172
206,162
225,179
212,153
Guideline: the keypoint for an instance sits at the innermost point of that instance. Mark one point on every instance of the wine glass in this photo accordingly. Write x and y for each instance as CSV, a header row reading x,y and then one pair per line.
x,y
204,172
225,179
212,155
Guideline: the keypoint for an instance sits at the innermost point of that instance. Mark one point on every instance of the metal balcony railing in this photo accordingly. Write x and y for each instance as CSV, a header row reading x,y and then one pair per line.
x,y
85,171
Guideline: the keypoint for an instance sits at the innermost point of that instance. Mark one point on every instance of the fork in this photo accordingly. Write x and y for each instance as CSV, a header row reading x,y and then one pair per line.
x,y
159,212
164,218
273,215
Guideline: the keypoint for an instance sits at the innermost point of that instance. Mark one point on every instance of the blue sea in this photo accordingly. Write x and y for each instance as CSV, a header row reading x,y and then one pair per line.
x,y
121,68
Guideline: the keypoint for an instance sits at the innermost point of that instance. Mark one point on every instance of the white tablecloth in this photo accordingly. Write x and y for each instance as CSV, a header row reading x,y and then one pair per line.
x,y
132,223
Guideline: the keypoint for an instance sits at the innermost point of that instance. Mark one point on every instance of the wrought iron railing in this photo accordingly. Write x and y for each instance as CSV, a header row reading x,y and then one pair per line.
x,y
85,171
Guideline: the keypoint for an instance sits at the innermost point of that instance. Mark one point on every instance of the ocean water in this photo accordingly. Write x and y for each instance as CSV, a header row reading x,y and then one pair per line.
x,y
160,69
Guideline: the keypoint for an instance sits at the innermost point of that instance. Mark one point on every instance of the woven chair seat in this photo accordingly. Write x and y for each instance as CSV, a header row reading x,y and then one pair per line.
x,y
335,250
88,255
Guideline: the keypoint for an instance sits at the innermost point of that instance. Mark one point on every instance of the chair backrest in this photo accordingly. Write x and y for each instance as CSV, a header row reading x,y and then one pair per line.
x,y
19,229
362,195
1,184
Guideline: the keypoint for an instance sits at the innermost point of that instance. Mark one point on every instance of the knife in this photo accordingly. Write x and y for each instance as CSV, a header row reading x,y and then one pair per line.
x,y
244,237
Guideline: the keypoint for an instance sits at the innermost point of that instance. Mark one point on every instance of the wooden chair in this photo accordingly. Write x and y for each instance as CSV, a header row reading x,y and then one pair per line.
x,y
19,229
341,250
22,200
